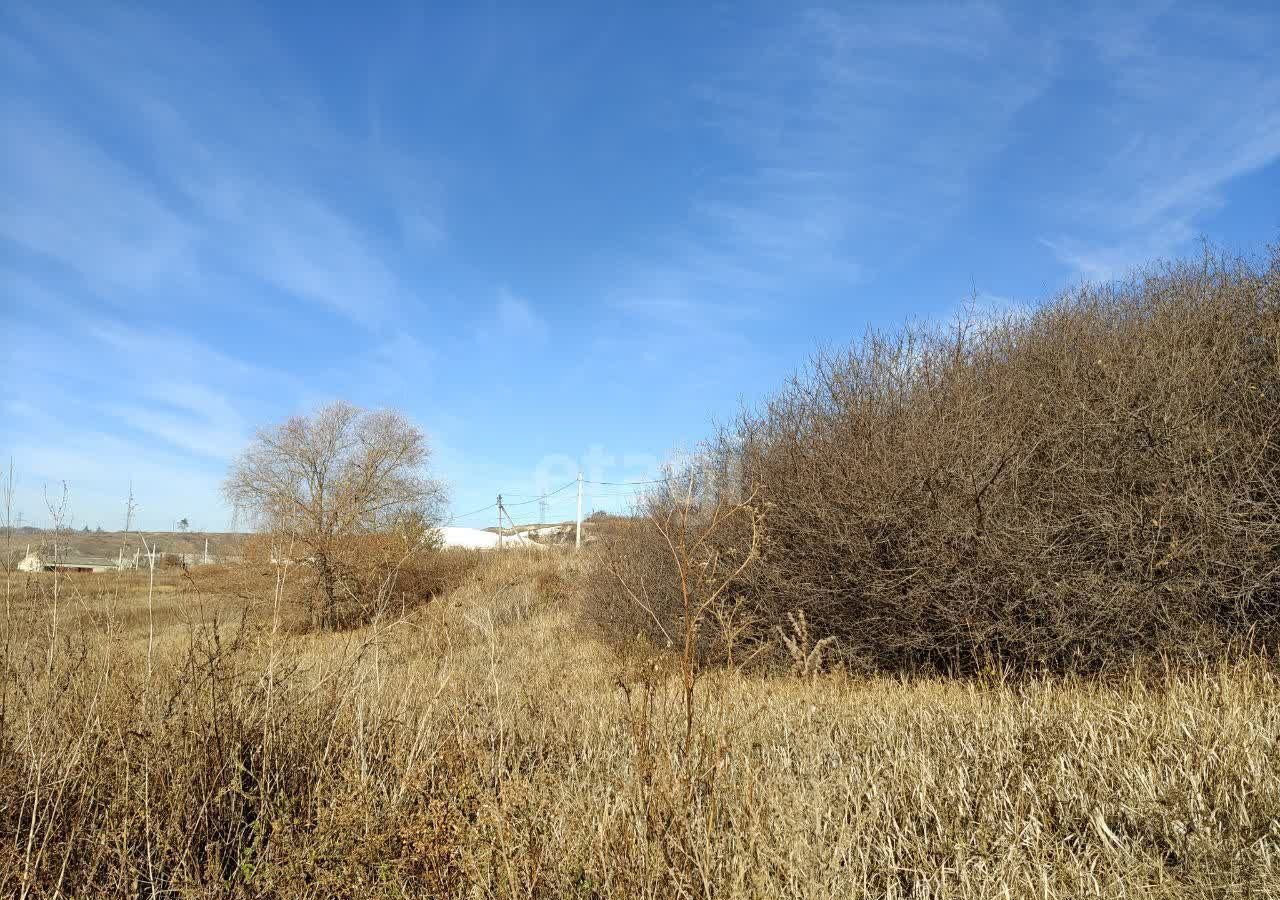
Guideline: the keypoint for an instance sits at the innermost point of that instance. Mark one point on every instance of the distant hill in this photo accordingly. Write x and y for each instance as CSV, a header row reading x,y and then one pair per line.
x,y
109,543
221,543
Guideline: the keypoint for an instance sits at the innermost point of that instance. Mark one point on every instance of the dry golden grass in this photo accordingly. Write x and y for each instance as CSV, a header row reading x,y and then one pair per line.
x,y
483,746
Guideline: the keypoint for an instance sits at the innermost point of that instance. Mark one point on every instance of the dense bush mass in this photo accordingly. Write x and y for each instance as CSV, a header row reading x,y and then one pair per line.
x,y
1062,486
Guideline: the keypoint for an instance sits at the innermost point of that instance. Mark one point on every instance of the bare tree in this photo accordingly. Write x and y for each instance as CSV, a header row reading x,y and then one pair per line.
x,y
324,480
9,560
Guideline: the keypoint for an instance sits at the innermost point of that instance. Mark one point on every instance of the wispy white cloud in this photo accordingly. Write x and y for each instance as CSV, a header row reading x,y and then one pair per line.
x,y
1192,104
243,183
69,202
668,305
854,136
291,240
517,319
393,368
187,416
1123,250
164,386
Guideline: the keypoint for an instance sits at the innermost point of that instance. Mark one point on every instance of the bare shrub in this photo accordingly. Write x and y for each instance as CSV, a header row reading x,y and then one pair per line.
x,y
429,575
628,560
1092,479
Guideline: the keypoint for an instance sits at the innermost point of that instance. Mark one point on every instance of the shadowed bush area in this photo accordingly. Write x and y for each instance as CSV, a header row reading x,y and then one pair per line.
x,y
1059,487
377,576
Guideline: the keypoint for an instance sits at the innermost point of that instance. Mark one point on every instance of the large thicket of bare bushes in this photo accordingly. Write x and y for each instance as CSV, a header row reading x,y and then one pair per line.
x,y
1059,487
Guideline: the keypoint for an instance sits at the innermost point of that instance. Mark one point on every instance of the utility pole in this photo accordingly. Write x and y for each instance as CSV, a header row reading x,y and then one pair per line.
x,y
499,521
578,539
542,510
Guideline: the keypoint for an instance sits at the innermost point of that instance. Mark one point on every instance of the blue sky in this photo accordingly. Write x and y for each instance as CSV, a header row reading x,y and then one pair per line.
x,y
561,239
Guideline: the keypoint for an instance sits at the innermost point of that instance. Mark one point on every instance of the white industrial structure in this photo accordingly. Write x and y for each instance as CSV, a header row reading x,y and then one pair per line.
x,y
48,561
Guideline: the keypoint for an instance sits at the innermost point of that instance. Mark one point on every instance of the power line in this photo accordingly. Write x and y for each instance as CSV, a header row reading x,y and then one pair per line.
x,y
524,502
554,509
543,496
630,483
564,487
505,506
515,524
473,512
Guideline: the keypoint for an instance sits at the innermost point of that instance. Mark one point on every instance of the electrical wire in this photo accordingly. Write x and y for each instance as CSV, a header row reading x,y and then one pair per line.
x,y
472,513
630,483
543,496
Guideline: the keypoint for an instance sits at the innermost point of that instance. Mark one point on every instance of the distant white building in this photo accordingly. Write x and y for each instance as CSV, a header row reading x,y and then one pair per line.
x,y
479,539
69,562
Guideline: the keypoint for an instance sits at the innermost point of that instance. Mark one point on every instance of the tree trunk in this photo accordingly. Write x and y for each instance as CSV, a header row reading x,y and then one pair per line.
x,y
329,584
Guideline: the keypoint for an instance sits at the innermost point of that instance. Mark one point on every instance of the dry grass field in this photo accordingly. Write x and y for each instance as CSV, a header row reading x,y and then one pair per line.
x,y
199,743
